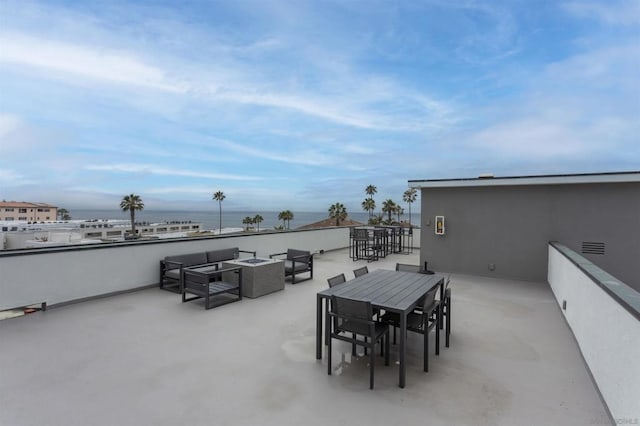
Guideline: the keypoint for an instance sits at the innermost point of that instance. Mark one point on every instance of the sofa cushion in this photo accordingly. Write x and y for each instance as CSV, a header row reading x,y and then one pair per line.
x,y
299,255
204,269
188,259
300,267
215,256
174,274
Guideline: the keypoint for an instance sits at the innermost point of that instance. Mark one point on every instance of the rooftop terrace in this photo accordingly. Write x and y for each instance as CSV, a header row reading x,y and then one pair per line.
x,y
146,358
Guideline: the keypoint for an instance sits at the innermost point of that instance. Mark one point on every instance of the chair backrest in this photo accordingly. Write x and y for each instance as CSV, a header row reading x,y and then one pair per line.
x,y
191,259
215,256
429,300
304,255
349,308
338,279
407,268
360,271
361,234
379,233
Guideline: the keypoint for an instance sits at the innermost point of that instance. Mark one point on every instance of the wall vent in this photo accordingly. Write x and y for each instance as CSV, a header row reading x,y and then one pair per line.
x,y
592,248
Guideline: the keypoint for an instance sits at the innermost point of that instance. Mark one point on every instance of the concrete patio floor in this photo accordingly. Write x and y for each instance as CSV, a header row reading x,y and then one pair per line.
x,y
145,358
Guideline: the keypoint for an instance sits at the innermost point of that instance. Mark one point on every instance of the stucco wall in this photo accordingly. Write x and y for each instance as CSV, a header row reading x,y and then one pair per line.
x,y
62,275
510,226
606,332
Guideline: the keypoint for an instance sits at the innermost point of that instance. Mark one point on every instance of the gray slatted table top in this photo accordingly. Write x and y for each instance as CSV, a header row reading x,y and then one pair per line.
x,y
391,290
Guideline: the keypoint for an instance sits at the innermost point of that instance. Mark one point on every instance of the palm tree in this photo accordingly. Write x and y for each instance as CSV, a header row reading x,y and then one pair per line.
x,y
377,219
389,207
338,212
369,205
399,211
247,221
257,219
370,190
289,217
285,216
132,203
63,214
409,197
219,196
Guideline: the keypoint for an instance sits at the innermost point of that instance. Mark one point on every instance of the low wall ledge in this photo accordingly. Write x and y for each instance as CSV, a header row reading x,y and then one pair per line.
x,y
626,296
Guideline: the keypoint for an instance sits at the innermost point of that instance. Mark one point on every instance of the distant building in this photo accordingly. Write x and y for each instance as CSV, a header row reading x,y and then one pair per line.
x,y
30,212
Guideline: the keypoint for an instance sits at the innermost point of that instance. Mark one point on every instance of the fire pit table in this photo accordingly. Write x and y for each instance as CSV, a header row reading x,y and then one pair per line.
x,y
259,276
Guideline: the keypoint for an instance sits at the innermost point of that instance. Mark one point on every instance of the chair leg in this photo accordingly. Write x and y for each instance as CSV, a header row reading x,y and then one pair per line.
x,y
386,348
425,354
372,361
353,346
448,330
437,334
328,324
326,329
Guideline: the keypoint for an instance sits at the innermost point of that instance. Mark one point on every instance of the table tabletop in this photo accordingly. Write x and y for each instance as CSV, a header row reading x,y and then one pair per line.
x,y
391,290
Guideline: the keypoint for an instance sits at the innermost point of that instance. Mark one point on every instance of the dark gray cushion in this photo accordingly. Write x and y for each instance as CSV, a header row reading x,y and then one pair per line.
x,y
191,259
204,269
215,256
174,274
300,255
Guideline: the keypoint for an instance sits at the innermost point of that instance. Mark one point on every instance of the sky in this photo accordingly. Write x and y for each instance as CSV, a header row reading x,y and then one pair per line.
x,y
300,104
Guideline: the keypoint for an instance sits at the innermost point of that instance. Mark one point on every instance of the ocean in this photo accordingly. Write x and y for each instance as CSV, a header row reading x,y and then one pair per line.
x,y
230,219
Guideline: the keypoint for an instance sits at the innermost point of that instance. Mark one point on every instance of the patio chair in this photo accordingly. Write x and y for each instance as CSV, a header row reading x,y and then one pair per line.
x,y
360,271
380,243
363,249
207,285
422,322
297,262
404,267
337,280
349,319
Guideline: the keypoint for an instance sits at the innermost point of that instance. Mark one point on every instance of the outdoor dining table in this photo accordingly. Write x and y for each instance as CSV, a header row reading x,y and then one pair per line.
x,y
392,291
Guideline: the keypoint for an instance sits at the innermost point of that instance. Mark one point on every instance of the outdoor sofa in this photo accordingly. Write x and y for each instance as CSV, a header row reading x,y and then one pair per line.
x,y
172,267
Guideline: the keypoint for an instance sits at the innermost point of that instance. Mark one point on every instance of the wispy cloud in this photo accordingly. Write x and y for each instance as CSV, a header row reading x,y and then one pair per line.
x,y
302,155
83,61
147,169
126,68
613,12
606,67
304,103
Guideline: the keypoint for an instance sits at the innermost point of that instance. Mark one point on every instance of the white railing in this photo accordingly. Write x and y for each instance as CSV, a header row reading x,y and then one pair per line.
x,y
603,314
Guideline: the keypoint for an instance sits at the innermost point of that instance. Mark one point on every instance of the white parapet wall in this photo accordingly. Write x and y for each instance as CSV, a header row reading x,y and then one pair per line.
x,y
61,275
602,313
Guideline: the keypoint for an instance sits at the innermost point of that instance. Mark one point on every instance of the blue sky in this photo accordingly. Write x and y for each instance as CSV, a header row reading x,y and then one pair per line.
x,y
300,104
